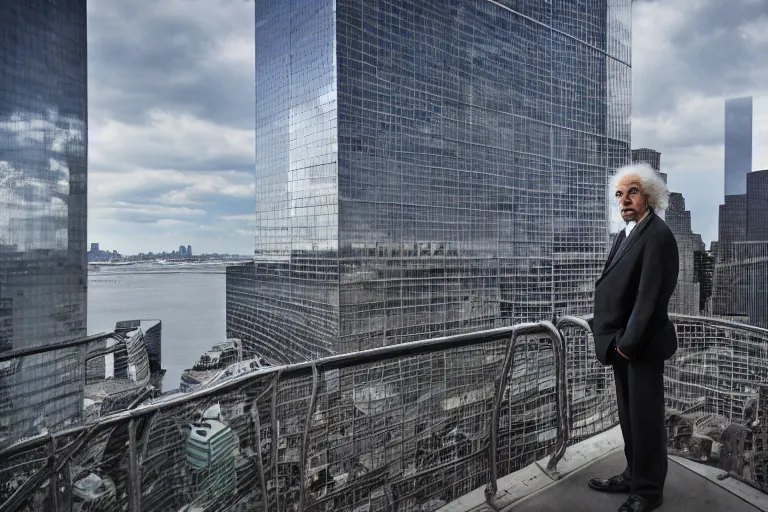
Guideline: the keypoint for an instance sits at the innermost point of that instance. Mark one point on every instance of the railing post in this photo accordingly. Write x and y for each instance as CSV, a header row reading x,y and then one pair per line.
x,y
563,410
561,398
53,487
275,439
134,478
305,440
492,488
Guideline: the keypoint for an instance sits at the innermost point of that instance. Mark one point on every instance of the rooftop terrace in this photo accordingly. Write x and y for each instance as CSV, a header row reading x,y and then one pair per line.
x,y
508,419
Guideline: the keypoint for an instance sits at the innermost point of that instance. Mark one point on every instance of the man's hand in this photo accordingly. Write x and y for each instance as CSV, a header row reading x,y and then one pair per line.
x,y
621,354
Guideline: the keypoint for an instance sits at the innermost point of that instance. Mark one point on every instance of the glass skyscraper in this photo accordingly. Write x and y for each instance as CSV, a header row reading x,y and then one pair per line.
x,y
738,144
429,167
43,178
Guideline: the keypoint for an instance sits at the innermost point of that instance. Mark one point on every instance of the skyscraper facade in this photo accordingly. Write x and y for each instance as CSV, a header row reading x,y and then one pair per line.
x,y
750,271
704,268
240,289
431,167
727,300
757,206
738,144
686,297
43,178
649,156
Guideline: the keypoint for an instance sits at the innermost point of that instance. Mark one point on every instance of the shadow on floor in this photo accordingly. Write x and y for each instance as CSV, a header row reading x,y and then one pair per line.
x,y
685,491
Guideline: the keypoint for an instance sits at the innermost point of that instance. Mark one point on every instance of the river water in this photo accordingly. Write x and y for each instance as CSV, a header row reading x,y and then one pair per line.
x,y
189,300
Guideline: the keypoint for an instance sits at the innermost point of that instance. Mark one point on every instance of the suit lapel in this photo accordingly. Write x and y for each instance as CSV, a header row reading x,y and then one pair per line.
x,y
616,242
631,240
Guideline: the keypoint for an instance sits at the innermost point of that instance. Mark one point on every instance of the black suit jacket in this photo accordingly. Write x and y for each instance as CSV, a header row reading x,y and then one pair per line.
x,y
632,295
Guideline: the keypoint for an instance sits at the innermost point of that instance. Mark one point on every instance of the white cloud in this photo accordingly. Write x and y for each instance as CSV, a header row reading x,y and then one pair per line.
x,y
168,140
138,212
245,217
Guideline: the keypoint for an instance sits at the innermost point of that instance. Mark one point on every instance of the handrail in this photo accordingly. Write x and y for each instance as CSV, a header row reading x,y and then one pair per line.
x,y
561,397
41,349
577,320
720,321
573,321
315,369
335,362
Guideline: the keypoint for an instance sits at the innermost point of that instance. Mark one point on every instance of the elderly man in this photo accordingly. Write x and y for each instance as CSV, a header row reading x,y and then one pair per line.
x,y
633,333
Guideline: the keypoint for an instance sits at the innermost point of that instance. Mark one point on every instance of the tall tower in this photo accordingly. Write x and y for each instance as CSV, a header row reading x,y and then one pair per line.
x,y
422,170
43,220
738,144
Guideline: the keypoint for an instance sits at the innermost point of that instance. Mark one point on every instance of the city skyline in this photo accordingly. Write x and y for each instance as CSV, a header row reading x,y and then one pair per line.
x,y
176,161
423,168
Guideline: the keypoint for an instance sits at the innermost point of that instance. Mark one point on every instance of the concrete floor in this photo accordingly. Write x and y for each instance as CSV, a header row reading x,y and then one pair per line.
x,y
684,491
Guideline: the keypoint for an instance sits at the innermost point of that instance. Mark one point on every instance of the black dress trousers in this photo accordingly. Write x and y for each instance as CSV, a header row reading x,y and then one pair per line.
x,y
640,396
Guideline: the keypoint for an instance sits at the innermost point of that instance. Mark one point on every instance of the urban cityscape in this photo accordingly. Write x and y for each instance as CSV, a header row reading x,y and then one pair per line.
x,y
410,329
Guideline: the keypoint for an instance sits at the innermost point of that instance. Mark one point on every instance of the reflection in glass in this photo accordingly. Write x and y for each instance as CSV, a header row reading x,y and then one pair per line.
x,y
431,167
43,169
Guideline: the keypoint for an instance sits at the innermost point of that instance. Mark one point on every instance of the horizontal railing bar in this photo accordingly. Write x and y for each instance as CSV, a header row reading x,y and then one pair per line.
x,y
105,351
700,319
573,320
721,321
341,361
41,349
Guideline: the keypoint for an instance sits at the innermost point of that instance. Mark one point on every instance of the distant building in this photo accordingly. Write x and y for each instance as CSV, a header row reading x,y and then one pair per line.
x,y
732,228
704,269
750,272
757,206
686,298
43,246
95,247
650,157
738,288
738,144
189,250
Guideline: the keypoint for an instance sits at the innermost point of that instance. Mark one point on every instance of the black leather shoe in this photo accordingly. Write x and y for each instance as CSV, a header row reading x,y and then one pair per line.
x,y
636,503
614,484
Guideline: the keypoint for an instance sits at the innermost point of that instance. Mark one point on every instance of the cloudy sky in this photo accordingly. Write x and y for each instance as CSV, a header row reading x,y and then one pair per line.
x,y
172,112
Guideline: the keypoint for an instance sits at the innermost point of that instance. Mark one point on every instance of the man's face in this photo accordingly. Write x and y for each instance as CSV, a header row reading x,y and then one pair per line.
x,y
631,198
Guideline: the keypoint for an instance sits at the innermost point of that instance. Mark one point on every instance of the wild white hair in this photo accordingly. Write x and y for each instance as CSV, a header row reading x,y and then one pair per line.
x,y
654,188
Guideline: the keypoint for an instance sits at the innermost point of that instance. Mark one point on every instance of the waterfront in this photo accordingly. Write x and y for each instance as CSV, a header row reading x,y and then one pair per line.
x,y
190,301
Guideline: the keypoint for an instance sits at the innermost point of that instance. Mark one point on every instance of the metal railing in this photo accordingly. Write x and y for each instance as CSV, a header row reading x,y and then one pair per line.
x,y
406,427
45,388
391,428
